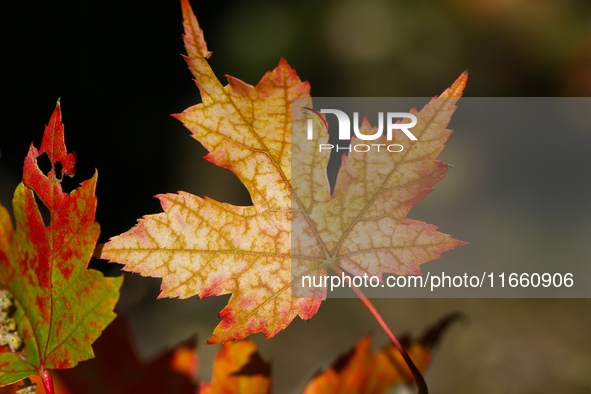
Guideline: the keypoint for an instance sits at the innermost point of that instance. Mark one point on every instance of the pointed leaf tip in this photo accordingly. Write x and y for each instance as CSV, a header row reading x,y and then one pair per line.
x,y
194,40
54,144
457,88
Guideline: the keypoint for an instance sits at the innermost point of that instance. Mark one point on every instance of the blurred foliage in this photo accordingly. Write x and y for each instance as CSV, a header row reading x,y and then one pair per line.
x,y
411,48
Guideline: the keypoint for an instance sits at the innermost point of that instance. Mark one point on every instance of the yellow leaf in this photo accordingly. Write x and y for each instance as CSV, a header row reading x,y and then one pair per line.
x,y
202,247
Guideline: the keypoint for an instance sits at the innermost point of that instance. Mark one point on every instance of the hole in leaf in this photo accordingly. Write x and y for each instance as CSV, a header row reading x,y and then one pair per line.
x,y
334,164
58,170
45,215
68,184
44,163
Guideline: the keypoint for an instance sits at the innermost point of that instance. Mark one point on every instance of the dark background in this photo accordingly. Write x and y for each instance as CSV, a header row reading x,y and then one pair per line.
x,y
118,70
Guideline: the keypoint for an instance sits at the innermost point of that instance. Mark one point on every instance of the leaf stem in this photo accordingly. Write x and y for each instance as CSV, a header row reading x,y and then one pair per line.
x,y
419,380
47,382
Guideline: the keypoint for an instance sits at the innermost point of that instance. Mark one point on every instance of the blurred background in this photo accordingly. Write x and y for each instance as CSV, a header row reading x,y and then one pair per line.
x,y
118,70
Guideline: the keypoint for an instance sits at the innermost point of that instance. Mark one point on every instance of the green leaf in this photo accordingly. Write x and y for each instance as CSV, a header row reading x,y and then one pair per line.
x,y
60,307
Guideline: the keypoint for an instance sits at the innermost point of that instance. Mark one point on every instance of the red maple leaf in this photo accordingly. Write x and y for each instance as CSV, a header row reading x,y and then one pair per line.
x,y
60,307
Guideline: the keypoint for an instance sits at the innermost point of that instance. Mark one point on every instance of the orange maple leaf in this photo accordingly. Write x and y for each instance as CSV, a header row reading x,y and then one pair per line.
x,y
238,368
361,372
202,247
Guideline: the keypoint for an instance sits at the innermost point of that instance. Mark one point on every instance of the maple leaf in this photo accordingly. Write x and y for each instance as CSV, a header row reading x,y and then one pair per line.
x,y
202,247
238,368
348,374
361,372
60,307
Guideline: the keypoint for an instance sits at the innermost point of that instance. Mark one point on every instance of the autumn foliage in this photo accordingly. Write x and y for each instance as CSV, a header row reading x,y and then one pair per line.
x,y
201,247
238,367
60,307
53,308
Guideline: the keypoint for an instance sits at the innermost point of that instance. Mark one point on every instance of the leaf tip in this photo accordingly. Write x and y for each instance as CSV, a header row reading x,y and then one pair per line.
x,y
459,243
186,9
194,39
457,88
